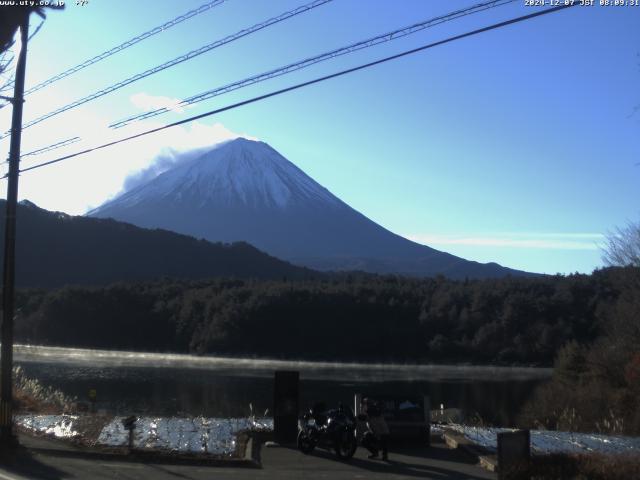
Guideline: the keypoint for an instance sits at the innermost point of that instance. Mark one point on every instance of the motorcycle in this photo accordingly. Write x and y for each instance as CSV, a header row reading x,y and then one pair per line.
x,y
333,429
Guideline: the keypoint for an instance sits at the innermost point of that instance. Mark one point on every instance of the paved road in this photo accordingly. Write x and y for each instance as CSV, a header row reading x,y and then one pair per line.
x,y
44,461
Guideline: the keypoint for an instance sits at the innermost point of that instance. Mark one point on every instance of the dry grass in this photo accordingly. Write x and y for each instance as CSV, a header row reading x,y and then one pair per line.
x,y
31,396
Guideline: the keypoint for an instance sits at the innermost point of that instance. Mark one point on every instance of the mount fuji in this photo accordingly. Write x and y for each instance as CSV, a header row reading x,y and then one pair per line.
x,y
244,190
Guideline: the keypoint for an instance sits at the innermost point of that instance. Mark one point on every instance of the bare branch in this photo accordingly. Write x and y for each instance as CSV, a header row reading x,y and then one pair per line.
x,y
623,246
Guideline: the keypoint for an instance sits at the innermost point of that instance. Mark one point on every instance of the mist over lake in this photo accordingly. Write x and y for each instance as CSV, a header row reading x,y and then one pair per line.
x,y
170,384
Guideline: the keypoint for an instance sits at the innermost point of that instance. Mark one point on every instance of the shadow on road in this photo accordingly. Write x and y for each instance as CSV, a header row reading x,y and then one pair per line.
x,y
411,469
161,470
22,463
441,453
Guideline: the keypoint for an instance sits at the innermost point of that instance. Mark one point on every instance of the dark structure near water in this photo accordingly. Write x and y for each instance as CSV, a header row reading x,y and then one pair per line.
x,y
285,406
514,454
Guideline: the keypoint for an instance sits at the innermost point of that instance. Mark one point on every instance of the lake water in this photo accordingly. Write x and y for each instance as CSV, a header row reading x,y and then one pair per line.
x,y
163,385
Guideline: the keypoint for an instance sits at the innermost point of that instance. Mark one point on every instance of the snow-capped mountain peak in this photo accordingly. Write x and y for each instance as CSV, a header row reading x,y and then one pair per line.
x,y
238,171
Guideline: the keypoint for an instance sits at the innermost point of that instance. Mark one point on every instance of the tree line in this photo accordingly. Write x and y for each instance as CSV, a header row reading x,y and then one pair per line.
x,y
347,317
596,385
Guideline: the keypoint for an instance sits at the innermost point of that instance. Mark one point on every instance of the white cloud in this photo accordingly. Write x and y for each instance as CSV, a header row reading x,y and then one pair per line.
x,y
186,142
554,241
144,101
584,236
78,184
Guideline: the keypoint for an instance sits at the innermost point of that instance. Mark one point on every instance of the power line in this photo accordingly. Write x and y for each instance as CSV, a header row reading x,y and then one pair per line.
x,y
48,148
53,146
6,58
129,43
307,62
187,56
122,46
305,84
370,42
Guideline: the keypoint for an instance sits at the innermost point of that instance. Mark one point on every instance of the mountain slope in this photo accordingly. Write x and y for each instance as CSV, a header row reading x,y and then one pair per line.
x,y
54,249
245,190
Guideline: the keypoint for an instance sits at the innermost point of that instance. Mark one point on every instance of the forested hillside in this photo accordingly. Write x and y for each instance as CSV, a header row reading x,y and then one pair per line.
x,y
55,249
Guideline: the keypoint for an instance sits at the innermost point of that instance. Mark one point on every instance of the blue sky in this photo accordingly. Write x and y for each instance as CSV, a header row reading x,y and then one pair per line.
x,y
517,146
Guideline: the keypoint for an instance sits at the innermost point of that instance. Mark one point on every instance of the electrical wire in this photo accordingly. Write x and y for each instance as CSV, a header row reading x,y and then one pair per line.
x,y
385,37
307,62
306,84
129,43
48,148
187,56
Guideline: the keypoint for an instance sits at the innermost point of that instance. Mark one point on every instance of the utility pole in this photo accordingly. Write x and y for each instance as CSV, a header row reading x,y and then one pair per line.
x,y
7,438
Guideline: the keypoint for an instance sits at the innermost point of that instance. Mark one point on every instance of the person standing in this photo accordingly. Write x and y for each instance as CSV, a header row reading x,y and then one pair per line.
x,y
377,428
